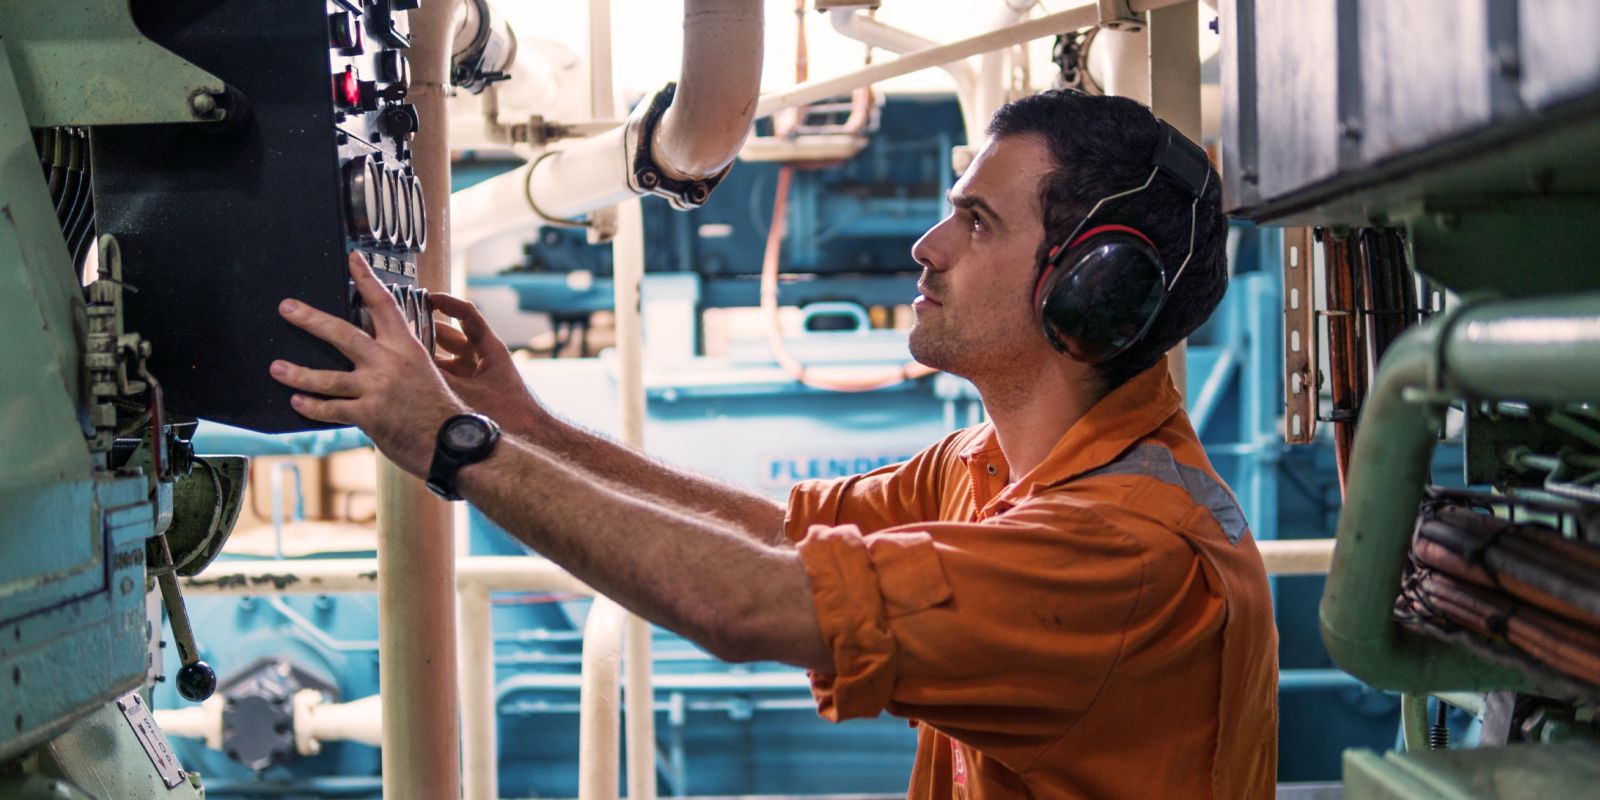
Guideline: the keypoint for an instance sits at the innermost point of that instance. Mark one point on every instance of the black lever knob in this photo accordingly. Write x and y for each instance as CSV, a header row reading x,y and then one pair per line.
x,y
196,681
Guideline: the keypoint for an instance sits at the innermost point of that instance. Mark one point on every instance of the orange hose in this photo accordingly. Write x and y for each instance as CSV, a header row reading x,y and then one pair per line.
x,y
833,379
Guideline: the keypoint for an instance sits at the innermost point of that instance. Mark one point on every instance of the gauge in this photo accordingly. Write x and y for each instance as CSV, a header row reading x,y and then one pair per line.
x,y
419,215
391,207
402,210
362,202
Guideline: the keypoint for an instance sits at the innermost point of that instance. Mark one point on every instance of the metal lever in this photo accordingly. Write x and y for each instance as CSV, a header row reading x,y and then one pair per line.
x,y
196,679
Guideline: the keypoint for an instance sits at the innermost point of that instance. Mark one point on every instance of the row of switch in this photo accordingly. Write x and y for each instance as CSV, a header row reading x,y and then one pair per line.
x,y
415,305
385,207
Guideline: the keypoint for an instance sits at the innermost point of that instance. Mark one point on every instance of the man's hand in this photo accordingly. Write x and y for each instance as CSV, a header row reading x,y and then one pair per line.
x,y
394,393
480,370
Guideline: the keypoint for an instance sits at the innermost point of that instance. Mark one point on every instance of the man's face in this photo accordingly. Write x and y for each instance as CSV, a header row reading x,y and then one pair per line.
x,y
975,314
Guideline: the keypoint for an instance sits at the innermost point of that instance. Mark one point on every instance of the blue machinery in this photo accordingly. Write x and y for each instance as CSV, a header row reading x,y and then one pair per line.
x,y
752,729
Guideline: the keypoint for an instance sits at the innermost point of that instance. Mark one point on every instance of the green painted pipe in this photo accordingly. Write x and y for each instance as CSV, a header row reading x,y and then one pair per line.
x,y
1539,351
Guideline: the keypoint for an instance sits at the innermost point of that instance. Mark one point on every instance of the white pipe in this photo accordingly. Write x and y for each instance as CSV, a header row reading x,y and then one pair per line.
x,y
869,31
1296,556
628,271
993,75
479,749
601,92
812,91
627,257
421,756
640,698
203,721
699,134
335,575
317,721
703,129
599,711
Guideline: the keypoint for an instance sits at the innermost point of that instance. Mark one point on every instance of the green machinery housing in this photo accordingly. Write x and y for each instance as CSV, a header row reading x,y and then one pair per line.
x,y
1462,135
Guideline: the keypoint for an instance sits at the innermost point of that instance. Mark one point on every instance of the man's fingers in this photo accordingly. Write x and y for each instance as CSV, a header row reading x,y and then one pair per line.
x,y
349,339
340,412
387,318
452,341
459,367
334,383
472,321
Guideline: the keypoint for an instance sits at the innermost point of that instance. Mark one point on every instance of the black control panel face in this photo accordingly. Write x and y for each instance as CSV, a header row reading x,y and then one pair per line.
x,y
220,221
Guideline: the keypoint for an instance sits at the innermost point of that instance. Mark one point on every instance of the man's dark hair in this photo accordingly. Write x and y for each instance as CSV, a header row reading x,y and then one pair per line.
x,y
1104,145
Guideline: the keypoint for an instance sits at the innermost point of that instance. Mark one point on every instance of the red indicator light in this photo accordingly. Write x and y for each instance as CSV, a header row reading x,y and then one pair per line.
x,y
347,88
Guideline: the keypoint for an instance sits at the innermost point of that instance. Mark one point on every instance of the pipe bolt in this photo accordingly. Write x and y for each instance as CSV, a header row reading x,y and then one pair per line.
x,y
697,193
648,179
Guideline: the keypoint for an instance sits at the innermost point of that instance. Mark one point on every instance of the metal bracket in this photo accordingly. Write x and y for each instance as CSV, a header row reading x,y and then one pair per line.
x,y
90,66
1300,379
1118,15
647,177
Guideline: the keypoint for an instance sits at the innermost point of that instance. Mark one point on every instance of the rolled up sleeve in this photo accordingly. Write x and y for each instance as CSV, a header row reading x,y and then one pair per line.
x,y
999,632
860,586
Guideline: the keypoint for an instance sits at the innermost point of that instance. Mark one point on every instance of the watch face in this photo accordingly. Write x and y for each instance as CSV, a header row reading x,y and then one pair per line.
x,y
465,435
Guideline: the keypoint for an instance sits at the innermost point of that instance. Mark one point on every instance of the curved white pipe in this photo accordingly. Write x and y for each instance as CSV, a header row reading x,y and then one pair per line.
x,y
699,134
710,116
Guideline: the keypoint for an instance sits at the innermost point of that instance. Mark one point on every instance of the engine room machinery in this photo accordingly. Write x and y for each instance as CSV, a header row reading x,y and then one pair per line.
x,y
170,171
1407,356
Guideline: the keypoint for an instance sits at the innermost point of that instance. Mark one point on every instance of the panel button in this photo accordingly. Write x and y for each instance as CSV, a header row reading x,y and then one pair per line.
x,y
347,88
344,31
393,67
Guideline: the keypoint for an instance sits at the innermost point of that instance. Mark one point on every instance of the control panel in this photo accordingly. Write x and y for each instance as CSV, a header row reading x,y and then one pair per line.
x,y
310,159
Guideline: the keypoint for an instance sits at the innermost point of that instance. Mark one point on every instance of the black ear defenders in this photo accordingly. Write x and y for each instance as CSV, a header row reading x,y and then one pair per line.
x,y
1101,288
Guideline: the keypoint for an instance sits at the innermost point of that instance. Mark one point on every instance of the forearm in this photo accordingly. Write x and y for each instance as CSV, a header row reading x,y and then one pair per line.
x,y
701,576
610,461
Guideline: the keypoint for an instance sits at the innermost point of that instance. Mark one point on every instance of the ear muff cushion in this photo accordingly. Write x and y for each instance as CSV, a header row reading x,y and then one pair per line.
x,y
1102,295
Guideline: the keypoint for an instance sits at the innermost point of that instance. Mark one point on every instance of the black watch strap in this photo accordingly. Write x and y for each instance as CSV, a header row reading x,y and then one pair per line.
x,y
463,439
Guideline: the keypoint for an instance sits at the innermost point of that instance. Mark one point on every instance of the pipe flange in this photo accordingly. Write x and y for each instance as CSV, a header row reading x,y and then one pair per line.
x,y
645,176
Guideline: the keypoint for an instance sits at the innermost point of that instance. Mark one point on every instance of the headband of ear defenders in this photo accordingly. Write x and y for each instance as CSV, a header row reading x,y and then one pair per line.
x,y
1182,160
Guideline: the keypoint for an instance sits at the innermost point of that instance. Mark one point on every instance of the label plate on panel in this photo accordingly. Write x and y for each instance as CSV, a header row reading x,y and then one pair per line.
x,y
152,739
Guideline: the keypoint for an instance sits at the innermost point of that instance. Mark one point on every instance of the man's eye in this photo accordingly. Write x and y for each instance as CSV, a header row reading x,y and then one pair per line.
x,y
977,223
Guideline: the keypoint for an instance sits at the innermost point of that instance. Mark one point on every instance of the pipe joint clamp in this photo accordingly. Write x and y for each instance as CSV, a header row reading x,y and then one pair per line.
x,y
645,176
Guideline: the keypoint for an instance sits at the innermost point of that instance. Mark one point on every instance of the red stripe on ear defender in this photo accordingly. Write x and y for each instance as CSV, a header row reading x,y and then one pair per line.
x,y
1050,260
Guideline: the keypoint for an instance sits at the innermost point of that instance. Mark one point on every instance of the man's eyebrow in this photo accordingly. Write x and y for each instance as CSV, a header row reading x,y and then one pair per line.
x,y
967,201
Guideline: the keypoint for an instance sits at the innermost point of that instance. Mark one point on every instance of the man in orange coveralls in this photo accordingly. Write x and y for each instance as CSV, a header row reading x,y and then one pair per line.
x,y
1065,601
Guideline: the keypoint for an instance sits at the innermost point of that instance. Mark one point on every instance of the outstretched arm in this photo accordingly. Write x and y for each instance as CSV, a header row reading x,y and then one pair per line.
x,y
481,371
711,579
705,578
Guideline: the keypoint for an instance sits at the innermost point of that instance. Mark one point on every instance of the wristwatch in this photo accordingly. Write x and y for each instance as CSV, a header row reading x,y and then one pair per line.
x,y
463,439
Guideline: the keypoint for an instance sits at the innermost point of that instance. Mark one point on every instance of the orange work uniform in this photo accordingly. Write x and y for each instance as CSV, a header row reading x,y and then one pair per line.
x,y
1101,627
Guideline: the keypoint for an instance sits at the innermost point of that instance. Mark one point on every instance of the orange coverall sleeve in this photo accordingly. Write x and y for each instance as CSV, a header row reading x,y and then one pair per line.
x,y
998,633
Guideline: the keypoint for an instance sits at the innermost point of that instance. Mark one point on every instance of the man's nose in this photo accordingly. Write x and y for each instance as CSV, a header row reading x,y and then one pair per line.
x,y
928,251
